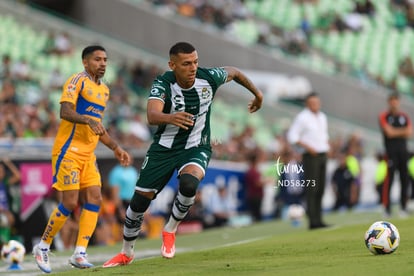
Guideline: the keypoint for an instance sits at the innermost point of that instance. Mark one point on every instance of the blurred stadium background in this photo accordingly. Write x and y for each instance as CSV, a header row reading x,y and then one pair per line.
x,y
353,58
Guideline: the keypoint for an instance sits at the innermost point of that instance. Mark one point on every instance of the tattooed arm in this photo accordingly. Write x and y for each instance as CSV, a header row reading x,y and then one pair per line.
x,y
239,77
68,113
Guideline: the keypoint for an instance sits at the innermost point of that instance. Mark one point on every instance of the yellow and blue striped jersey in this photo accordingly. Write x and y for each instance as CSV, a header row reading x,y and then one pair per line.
x,y
89,98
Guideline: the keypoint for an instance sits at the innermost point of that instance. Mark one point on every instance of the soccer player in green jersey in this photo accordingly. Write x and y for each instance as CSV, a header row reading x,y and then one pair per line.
x,y
180,105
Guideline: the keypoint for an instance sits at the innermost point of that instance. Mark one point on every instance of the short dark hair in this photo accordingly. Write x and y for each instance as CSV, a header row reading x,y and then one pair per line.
x,y
311,94
90,49
182,48
394,95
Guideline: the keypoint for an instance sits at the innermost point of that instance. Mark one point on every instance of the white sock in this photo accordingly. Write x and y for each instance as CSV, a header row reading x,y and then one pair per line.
x,y
134,221
171,225
43,245
80,249
180,209
128,248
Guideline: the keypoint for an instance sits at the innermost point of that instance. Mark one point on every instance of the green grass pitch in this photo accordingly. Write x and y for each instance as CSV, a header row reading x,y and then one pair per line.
x,y
271,248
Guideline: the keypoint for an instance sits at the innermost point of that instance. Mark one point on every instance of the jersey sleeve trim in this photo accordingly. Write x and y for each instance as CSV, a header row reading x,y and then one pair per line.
x,y
156,98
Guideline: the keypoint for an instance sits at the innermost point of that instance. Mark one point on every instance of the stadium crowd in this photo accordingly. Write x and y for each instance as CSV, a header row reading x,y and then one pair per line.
x,y
298,40
38,118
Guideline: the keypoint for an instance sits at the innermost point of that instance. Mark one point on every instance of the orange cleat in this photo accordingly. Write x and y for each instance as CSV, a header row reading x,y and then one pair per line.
x,y
168,245
120,259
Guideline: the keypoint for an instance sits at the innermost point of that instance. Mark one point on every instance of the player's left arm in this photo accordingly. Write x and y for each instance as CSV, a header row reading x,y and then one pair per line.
x,y
120,154
235,74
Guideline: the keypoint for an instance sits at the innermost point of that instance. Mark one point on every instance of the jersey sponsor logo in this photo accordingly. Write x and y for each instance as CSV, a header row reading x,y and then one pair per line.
x,y
94,110
178,103
155,92
71,88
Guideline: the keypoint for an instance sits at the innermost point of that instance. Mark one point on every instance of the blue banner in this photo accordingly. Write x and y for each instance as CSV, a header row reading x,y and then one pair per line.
x,y
218,173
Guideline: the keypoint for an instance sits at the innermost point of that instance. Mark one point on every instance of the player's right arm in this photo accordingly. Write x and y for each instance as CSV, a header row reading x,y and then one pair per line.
x,y
156,116
68,100
68,113
395,132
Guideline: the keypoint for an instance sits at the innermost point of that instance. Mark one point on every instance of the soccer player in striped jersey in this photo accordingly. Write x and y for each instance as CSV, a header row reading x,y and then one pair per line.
x,y
75,172
179,104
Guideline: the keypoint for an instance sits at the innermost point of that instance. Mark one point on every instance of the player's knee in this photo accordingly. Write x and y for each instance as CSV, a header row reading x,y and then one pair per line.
x,y
70,205
188,185
95,199
70,200
140,202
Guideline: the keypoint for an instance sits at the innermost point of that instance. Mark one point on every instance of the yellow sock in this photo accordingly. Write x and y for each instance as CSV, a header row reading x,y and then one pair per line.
x,y
56,221
87,224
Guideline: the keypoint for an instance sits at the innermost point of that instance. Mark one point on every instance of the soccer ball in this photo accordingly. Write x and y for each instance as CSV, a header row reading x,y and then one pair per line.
x,y
382,237
13,252
295,213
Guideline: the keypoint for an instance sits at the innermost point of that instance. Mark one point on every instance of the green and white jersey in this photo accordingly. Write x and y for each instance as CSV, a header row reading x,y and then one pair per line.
x,y
195,100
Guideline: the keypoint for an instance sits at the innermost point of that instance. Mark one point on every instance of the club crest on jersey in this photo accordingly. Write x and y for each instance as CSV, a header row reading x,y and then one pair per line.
x,y
205,93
